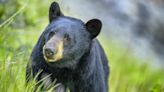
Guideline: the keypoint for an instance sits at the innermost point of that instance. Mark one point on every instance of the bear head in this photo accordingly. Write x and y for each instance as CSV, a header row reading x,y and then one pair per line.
x,y
67,39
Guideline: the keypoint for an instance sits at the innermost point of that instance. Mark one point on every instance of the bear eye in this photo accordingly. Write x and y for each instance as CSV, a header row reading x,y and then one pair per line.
x,y
51,34
66,37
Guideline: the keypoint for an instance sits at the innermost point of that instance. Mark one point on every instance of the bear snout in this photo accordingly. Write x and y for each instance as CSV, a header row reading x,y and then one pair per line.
x,y
49,52
53,50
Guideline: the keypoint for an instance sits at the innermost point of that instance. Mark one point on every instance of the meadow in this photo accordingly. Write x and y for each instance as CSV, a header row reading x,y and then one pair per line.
x,y
20,28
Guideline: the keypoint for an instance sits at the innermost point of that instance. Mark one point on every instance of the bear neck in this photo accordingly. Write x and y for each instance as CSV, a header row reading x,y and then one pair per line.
x,y
89,59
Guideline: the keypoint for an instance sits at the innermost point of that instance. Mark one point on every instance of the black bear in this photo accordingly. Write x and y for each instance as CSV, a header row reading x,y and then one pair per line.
x,y
68,52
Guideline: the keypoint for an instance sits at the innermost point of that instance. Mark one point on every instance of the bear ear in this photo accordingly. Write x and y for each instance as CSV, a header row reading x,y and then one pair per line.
x,y
94,27
54,11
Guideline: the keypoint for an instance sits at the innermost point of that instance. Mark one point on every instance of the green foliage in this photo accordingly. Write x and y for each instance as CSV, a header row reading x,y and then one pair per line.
x,y
32,14
128,74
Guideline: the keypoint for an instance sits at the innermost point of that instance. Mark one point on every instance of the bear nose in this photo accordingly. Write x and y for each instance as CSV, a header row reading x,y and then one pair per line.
x,y
49,52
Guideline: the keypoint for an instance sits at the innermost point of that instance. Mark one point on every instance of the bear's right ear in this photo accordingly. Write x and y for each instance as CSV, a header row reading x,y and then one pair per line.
x,y
94,27
54,11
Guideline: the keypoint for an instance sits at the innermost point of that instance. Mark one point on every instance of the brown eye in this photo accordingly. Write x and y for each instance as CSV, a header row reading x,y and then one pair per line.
x,y
66,37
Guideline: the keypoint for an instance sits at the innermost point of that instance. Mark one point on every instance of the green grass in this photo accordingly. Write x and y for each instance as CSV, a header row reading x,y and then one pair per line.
x,y
127,74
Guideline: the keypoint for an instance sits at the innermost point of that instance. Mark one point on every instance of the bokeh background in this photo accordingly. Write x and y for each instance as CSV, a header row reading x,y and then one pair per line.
x,y
132,37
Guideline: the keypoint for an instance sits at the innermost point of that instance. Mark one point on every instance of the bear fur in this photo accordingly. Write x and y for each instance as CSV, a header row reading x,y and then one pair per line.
x,y
76,60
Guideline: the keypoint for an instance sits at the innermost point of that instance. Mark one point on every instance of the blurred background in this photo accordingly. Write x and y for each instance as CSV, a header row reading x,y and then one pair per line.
x,y
132,37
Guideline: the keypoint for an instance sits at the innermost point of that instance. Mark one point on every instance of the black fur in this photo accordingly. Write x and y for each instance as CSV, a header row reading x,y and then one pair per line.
x,y
84,67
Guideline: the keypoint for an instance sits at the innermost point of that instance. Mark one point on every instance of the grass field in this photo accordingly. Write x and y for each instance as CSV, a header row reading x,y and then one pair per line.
x,y
128,74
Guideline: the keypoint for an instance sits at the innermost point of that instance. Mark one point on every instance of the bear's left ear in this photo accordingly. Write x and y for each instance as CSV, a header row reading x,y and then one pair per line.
x,y
54,11
94,27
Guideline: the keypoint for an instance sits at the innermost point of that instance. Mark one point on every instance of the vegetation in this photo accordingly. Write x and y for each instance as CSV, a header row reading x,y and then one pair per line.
x,y
21,25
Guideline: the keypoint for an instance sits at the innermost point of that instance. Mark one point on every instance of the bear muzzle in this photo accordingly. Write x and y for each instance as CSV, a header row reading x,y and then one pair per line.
x,y
53,52
49,52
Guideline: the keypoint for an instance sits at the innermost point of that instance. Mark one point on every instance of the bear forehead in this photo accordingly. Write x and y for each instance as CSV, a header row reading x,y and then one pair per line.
x,y
66,22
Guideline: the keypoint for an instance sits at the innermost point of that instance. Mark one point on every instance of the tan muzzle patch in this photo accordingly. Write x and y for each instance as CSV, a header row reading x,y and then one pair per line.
x,y
57,43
